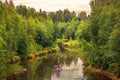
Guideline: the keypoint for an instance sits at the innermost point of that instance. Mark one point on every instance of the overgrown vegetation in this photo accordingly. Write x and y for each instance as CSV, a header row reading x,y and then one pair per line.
x,y
100,35
24,31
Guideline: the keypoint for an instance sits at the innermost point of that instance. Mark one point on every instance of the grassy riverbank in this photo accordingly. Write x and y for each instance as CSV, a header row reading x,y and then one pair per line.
x,y
17,59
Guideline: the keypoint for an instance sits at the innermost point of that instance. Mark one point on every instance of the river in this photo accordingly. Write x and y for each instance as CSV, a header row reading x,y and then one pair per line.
x,y
51,68
61,66
74,71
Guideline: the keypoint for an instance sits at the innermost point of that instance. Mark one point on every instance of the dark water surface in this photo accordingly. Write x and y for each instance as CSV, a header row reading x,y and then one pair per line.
x,y
51,68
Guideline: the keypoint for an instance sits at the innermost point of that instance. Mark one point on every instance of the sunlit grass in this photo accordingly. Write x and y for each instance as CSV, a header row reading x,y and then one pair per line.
x,y
13,68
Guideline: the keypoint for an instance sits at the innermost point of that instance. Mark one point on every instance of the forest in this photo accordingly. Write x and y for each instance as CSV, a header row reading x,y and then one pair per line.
x,y
23,30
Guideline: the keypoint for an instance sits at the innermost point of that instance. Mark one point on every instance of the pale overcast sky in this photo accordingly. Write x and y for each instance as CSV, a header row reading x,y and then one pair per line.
x,y
54,5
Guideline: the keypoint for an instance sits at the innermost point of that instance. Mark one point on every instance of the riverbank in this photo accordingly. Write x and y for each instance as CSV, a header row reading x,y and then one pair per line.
x,y
99,74
96,73
17,59
45,51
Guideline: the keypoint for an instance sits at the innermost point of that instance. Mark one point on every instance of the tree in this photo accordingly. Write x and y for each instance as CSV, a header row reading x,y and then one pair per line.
x,y
82,15
102,50
83,31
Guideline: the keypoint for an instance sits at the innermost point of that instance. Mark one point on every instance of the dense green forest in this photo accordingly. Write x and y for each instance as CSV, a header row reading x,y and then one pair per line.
x,y
101,36
23,30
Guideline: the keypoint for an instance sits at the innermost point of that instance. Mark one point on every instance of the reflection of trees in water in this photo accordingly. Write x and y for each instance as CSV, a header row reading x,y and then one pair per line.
x,y
75,61
69,60
43,68
58,66
61,61
57,70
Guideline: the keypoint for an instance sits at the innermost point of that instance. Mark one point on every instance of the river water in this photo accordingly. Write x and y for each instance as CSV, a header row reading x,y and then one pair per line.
x,y
74,71
51,68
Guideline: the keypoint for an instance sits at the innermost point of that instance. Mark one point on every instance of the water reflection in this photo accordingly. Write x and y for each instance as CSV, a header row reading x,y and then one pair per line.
x,y
73,71
51,68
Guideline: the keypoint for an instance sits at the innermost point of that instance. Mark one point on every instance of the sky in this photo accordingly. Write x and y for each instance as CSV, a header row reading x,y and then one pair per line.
x,y
54,5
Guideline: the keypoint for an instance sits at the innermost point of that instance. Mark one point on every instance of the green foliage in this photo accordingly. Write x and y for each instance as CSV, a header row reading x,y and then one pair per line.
x,y
22,46
114,50
102,49
22,31
114,40
2,58
82,15
62,16
43,39
66,30
83,31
